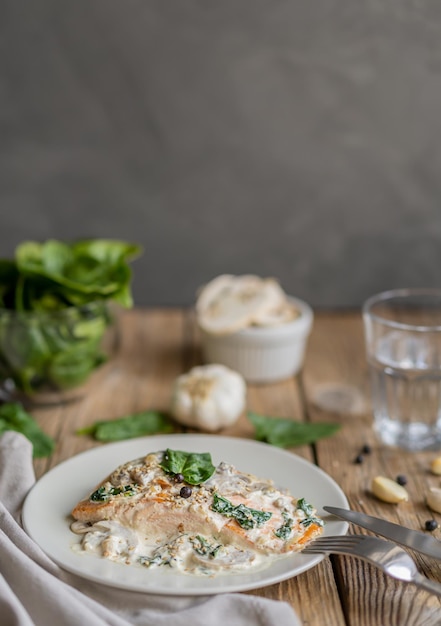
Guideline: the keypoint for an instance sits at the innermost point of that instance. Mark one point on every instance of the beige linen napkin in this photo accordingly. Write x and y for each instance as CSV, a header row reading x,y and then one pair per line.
x,y
35,591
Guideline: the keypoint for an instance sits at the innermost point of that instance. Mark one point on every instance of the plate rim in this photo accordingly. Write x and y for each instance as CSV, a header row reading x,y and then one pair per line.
x,y
251,580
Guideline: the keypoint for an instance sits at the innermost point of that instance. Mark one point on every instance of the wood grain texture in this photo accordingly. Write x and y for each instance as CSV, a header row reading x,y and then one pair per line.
x,y
158,344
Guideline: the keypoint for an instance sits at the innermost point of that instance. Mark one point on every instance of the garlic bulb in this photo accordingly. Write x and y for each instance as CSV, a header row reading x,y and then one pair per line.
x,y
208,397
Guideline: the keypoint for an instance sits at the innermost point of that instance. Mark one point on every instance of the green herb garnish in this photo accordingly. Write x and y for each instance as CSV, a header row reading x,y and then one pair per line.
x,y
308,510
134,425
286,529
244,515
204,548
195,467
14,417
104,493
158,559
286,433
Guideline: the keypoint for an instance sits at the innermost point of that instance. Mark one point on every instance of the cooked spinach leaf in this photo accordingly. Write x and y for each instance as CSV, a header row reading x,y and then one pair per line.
x,y
104,493
133,425
14,417
157,559
284,531
308,510
286,433
204,547
244,515
195,467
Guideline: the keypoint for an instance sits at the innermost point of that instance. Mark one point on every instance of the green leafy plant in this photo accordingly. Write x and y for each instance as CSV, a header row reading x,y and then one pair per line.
x,y
195,467
134,425
286,433
14,417
55,300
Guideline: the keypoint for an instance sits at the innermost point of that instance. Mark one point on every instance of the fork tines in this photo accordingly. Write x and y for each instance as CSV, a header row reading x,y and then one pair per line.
x,y
338,542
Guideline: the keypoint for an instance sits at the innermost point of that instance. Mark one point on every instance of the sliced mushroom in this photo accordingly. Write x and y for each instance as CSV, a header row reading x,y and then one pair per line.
x,y
229,304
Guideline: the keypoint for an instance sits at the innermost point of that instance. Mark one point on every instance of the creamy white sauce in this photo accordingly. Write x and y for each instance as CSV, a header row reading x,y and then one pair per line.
x,y
189,554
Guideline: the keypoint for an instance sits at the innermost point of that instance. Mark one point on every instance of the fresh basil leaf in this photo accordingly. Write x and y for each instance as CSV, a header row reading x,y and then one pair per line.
x,y
245,516
134,425
195,467
14,417
286,433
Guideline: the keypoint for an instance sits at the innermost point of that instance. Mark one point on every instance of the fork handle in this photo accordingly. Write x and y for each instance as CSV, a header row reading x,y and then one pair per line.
x,y
427,584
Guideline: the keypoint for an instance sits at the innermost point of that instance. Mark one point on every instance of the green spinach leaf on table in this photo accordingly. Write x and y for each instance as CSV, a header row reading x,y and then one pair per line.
x,y
14,417
133,425
286,433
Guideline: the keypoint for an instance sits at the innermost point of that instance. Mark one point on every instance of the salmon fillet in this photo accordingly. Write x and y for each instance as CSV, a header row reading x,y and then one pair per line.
x,y
232,520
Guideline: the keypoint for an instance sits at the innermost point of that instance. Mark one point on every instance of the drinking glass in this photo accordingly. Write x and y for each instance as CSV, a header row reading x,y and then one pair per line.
x,y
403,344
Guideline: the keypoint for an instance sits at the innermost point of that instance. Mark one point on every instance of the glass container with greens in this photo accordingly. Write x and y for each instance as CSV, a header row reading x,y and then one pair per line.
x,y
57,312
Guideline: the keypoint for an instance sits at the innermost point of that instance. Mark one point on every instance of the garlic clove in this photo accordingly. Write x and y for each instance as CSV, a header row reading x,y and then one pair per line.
x,y
388,490
433,499
435,466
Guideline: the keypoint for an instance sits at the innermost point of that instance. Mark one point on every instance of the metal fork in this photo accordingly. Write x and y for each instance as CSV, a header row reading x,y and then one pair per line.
x,y
385,555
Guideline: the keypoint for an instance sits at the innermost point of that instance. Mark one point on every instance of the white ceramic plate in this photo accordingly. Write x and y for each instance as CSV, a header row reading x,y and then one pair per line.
x,y
46,511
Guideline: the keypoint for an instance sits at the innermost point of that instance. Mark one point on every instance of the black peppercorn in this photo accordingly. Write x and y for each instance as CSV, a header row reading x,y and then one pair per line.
x,y
358,459
401,480
185,492
366,449
179,478
431,524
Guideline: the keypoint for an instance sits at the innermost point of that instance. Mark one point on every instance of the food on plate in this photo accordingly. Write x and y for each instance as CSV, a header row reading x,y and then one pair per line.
x,y
208,397
230,303
176,509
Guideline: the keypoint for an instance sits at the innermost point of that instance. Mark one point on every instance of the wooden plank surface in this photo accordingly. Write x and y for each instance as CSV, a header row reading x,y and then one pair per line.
x,y
158,344
335,361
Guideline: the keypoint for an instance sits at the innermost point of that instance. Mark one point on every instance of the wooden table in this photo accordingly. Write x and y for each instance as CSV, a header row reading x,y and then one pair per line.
x,y
157,345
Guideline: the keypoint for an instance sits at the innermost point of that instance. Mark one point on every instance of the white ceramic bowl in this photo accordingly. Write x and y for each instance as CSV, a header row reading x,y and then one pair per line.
x,y
262,354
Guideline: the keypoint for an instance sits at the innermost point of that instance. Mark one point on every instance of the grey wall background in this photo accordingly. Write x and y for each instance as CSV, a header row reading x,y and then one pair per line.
x,y
292,138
